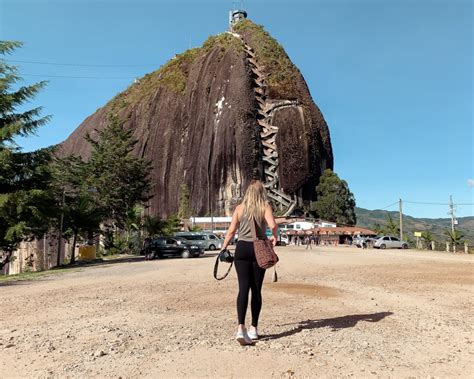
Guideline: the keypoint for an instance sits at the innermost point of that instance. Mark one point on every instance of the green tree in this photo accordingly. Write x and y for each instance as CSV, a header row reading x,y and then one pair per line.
x,y
377,228
391,227
121,180
82,215
335,202
195,228
171,226
25,196
79,204
455,238
184,211
153,225
427,238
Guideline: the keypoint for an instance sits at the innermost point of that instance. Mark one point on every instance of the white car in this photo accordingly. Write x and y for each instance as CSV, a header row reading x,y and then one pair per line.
x,y
390,243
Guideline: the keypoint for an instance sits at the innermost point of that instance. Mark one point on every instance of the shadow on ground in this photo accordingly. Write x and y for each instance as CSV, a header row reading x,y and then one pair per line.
x,y
335,323
26,278
23,279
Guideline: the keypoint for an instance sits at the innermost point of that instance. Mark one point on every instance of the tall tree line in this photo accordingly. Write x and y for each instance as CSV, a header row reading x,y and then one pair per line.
x,y
39,190
25,178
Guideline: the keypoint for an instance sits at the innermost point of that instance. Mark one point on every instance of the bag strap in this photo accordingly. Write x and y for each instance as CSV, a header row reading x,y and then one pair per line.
x,y
253,222
252,229
216,265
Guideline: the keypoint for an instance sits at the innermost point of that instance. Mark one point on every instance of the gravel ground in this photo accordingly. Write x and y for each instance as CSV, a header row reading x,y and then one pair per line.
x,y
335,312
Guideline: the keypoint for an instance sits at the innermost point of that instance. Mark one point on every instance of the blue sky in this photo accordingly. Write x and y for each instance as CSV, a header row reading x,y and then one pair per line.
x,y
392,78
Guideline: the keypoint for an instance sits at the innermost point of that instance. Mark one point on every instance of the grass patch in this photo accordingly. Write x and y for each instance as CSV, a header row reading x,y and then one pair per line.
x,y
224,42
173,74
115,257
33,275
279,69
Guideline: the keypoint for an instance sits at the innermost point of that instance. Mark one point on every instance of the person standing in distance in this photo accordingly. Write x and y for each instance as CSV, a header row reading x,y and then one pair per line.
x,y
255,206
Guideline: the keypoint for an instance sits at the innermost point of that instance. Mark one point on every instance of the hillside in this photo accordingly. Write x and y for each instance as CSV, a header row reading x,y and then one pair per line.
x,y
437,226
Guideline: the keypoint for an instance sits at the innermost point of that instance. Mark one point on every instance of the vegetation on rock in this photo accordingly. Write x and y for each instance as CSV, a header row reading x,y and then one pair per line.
x,y
184,210
173,75
271,55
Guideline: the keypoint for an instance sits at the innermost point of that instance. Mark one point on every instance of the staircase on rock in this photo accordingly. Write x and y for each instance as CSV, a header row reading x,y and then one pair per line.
x,y
268,132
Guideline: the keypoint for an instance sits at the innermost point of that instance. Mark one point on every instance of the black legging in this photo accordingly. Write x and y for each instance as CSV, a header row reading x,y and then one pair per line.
x,y
250,277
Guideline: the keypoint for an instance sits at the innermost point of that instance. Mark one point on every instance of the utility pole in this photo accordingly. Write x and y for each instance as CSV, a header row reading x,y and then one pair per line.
x,y
61,224
212,220
452,213
401,218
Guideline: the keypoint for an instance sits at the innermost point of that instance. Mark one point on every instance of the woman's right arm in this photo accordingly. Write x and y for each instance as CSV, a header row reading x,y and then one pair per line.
x,y
234,224
271,223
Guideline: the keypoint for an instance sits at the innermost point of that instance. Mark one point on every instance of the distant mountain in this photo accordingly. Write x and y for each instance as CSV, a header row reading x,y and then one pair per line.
x,y
437,226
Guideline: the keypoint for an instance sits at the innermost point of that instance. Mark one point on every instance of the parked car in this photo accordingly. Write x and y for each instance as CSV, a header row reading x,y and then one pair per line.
x,y
174,246
206,240
385,242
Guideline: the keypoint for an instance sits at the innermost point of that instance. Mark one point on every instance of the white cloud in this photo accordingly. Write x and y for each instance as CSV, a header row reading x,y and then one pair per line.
x,y
470,183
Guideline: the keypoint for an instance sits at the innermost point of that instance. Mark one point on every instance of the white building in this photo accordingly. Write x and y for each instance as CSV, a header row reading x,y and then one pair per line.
x,y
307,225
214,224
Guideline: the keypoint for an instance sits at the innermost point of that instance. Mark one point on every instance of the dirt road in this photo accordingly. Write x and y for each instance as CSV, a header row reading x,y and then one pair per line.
x,y
334,312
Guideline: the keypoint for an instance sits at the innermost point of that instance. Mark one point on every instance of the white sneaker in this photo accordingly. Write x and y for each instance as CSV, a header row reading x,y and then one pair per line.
x,y
252,333
243,338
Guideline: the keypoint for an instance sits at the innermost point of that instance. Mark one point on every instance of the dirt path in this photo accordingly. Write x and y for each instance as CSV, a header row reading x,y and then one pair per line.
x,y
334,312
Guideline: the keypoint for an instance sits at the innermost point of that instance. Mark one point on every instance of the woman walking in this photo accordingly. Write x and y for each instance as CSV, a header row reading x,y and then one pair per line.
x,y
254,208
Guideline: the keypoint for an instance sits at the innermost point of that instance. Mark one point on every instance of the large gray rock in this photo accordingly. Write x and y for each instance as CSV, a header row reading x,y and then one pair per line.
x,y
196,119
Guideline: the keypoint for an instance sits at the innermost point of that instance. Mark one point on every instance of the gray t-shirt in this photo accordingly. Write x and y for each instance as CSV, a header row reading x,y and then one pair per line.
x,y
245,232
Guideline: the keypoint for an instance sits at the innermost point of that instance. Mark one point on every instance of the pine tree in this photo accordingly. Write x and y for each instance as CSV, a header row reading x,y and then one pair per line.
x,y
335,202
79,205
119,179
25,196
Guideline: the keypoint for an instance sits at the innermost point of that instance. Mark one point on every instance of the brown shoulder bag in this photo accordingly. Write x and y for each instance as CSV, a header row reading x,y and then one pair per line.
x,y
266,256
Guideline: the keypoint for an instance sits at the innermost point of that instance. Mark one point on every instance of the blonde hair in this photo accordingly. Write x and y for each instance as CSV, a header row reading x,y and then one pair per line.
x,y
255,200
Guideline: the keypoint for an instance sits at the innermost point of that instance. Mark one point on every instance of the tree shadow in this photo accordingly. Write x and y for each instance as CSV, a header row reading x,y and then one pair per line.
x,y
335,323
48,275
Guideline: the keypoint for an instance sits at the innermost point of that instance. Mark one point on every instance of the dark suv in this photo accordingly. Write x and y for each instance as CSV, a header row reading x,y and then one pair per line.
x,y
173,246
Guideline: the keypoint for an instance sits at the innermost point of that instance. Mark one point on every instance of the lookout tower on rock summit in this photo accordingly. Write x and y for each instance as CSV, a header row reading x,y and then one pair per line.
x,y
236,16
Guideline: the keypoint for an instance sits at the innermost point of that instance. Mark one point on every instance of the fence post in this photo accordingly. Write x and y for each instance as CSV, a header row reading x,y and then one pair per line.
x,y
466,248
447,247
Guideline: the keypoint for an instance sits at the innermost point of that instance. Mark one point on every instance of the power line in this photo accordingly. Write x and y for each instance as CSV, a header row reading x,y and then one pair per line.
x,y
80,77
80,64
424,202
428,203
388,206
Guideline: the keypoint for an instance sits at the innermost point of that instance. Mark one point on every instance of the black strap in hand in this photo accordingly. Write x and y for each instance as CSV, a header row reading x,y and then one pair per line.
x,y
216,266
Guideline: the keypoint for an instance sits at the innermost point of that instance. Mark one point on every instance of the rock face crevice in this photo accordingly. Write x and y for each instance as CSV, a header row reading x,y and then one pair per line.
x,y
199,120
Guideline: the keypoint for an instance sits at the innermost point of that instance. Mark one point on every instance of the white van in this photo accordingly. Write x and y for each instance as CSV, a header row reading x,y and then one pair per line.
x,y
206,240
298,225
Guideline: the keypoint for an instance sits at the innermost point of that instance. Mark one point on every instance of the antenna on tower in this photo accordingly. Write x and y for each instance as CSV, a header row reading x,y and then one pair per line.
x,y
236,15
